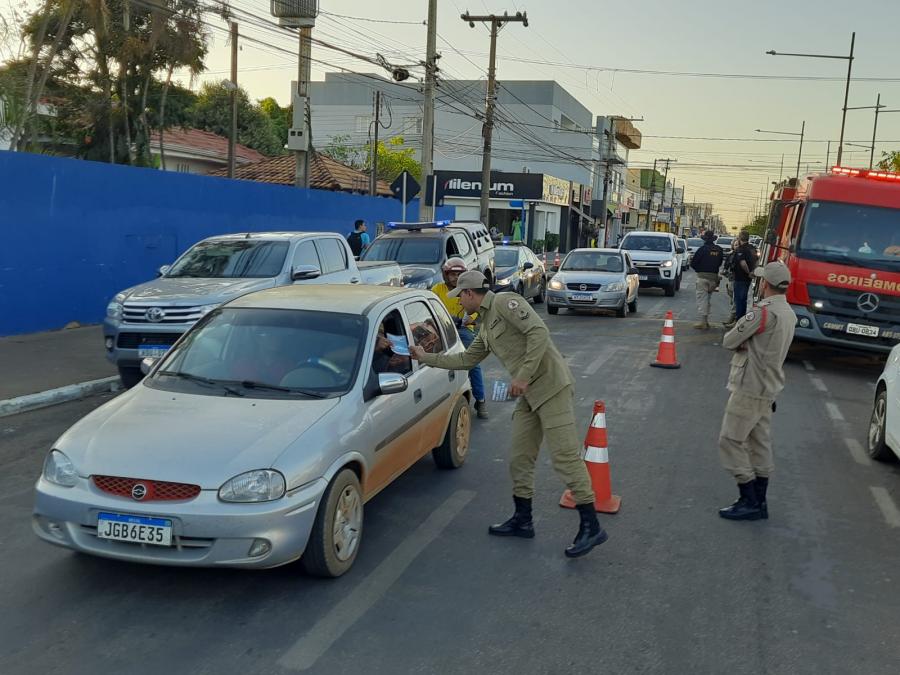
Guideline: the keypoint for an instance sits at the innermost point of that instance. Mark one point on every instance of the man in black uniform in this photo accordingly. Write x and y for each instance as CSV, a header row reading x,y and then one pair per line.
x,y
706,263
744,262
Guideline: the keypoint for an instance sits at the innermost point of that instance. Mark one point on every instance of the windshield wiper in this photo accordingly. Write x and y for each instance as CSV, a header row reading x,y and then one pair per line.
x,y
201,380
249,384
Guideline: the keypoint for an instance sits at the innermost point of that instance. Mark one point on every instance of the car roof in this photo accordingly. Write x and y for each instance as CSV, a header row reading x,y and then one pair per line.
x,y
268,236
596,250
649,233
433,233
325,297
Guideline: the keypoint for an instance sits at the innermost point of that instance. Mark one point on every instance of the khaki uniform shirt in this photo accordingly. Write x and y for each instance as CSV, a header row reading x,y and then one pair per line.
x,y
515,334
760,341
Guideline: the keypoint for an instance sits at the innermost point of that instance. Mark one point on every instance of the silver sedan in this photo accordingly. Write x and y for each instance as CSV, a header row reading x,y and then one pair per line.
x,y
258,438
595,278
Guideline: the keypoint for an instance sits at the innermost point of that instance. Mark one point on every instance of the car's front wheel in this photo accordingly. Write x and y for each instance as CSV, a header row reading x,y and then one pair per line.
x,y
670,290
877,446
451,454
337,532
552,309
632,306
542,290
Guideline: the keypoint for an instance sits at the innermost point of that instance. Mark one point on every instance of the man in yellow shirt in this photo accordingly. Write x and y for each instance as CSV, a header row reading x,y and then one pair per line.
x,y
465,324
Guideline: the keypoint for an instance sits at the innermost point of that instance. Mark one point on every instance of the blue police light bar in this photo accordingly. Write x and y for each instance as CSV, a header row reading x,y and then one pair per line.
x,y
418,226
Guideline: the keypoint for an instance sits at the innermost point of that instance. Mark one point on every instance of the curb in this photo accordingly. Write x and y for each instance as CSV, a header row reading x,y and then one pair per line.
x,y
71,392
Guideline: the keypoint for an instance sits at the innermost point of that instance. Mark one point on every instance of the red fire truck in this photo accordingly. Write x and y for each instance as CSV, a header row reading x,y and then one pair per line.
x,y
839,234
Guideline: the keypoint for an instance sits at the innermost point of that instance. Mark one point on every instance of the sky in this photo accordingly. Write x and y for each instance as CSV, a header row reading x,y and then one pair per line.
x,y
581,43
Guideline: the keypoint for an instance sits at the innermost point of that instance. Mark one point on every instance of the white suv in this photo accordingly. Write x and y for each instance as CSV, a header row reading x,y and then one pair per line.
x,y
657,256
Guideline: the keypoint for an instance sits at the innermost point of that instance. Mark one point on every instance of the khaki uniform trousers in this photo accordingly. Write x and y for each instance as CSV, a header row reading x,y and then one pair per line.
x,y
729,287
705,288
553,421
745,441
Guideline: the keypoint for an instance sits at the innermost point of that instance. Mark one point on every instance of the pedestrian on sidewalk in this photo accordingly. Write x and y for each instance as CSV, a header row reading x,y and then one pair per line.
x,y
359,238
760,342
541,379
706,263
466,325
744,263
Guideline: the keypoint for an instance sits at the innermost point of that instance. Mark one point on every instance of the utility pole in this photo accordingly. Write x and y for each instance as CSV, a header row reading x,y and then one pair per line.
x,y
846,97
800,151
301,119
497,22
373,179
427,212
232,137
650,191
666,185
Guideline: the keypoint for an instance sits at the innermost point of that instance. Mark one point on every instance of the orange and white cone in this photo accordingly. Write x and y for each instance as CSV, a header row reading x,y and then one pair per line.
x,y
665,356
596,458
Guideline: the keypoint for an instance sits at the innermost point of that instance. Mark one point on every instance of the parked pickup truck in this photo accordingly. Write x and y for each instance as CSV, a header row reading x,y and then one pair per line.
x,y
147,319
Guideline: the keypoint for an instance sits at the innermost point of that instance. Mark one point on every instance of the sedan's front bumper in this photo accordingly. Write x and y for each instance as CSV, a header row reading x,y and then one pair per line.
x,y
205,531
598,299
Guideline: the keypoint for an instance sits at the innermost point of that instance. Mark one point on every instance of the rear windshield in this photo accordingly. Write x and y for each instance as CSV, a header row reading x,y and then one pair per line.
x,y
638,242
233,259
406,251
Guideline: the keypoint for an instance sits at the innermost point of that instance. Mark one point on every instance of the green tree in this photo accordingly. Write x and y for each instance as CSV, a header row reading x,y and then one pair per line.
x,y
890,161
758,226
340,149
212,112
394,159
280,118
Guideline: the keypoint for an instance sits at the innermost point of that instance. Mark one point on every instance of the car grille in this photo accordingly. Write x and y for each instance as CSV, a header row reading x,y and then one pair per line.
x,y
842,302
649,272
135,340
138,314
157,490
587,287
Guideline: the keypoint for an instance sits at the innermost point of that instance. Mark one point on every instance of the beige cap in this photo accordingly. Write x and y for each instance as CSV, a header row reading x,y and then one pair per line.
x,y
775,273
469,280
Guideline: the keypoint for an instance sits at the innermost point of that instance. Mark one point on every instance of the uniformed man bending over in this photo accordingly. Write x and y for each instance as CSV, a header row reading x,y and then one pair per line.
x,y
760,341
541,378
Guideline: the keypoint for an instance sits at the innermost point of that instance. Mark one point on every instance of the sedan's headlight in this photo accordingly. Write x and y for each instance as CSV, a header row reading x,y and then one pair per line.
x,y
667,263
114,308
504,282
59,469
556,284
263,485
616,286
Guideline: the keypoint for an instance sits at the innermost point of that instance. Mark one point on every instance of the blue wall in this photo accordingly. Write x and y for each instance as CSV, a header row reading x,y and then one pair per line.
x,y
74,233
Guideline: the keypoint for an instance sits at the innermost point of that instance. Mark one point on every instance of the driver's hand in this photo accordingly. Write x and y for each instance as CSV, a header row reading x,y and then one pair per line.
x,y
416,352
382,344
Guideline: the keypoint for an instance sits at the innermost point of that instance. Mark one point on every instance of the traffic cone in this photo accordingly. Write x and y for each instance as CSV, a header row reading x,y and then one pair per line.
x,y
596,457
665,357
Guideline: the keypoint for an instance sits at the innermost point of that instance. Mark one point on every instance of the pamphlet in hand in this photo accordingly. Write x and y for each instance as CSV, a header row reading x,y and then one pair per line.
x,y
399,344
501,391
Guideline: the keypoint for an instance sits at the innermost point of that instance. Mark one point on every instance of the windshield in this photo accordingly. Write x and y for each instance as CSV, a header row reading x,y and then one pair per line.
x,y
266,352
506,257
238,259
695,243
637,242
851,234
407,251
589,261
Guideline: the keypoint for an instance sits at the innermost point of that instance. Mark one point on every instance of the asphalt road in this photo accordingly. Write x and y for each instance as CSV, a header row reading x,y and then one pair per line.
x,y
816,589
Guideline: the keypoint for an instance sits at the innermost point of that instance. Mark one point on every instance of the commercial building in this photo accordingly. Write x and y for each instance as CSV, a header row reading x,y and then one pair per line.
x,y
616,137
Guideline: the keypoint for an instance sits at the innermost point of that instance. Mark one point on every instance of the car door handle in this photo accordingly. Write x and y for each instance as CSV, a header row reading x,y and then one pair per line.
x,y
417,395
354,280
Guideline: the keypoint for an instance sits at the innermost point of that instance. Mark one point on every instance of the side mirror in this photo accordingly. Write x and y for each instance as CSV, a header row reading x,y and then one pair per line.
x,y
634,270
391,383
528,266
147,364
679,249
162,271
304,272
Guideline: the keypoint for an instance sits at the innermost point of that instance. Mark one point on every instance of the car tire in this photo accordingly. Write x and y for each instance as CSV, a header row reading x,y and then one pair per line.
x,y
876,445
325,556
622,312
632,306
542,291
678,283
552,309
670,290
452,452
130,376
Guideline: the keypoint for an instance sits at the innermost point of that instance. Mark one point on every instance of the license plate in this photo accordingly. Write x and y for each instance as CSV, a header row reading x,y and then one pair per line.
x,y
642,277
582,297
153,351
857,329
134,529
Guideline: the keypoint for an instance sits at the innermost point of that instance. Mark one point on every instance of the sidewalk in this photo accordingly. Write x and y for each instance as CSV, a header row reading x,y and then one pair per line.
x,y
41,362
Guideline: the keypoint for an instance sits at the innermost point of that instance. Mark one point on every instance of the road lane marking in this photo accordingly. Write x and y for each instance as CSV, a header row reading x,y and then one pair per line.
x,y
888,508
597,363
834,412
304,653
818,383
856,451
809,366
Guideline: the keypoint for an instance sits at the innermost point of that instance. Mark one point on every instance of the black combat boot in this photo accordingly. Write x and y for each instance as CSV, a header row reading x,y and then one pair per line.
x,y
481,410
761,485
590,534
745,508
520,525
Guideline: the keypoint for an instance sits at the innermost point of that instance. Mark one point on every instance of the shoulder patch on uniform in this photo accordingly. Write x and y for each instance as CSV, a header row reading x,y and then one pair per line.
x,y
523,314
750,316
512,304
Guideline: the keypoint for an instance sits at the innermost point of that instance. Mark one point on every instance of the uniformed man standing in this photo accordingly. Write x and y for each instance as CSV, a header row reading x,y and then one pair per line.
x,y
541,379
706,263
760,341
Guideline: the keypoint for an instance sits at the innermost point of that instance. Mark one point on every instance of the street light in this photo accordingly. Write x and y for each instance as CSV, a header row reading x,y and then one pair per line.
x,y
791,133
849,60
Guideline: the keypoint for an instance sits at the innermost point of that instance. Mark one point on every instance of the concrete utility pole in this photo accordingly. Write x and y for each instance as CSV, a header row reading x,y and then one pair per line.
x,y
650,193
427,212
497,22
373,179
232,137
301,119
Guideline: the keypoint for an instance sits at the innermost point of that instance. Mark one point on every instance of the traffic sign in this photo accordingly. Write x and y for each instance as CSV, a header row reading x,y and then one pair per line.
x,y
412,187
